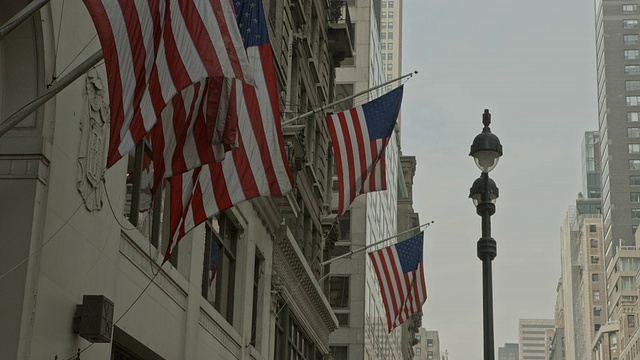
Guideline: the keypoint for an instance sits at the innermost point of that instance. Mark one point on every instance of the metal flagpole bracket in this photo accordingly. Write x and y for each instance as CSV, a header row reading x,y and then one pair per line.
x,y
425,225
324,107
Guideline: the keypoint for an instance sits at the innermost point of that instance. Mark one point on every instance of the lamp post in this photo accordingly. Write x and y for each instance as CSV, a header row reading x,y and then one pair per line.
x,y
486,150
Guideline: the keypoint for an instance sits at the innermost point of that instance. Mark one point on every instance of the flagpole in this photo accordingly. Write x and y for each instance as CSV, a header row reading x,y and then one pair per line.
x,y
52,91
312,112
374,244
20,17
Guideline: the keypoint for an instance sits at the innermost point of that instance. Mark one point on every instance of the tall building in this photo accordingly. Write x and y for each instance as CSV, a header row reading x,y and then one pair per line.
x,y
391,37
372,217
532,338
618,67
508,352
70,234
581,305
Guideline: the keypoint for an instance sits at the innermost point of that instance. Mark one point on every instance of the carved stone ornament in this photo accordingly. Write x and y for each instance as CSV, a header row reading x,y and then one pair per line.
x,y
93,132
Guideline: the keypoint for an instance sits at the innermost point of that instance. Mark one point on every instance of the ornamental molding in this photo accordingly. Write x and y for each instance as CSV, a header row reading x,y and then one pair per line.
x,y
93,139
146,265
301,291
219,334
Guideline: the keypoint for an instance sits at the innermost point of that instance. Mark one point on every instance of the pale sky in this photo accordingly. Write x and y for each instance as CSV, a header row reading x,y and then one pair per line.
x,y
532,64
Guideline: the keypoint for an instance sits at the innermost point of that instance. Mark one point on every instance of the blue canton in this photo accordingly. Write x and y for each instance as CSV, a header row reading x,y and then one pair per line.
x,y
410,252
381,114
251,22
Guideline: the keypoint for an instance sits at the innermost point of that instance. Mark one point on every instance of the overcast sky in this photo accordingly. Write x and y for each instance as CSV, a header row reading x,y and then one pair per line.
x,y
532,64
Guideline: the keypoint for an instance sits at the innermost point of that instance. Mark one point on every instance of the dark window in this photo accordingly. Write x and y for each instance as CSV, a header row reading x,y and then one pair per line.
x,y
593,228
339,292
219,291
634,180
345,226
256,297
340,352
594,243
141,207
595,277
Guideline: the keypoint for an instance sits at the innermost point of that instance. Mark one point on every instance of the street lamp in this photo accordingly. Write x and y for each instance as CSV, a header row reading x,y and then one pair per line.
x,y
486,151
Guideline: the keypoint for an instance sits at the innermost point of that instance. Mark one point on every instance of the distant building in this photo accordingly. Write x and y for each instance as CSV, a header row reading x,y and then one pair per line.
x,y
532,340
509,352
428,346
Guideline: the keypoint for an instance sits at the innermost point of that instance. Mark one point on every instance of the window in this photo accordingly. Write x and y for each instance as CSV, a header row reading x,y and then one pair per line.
x,y
383,15
635,197
384,4
383,35
429,342
390,46
594,243
344,222
595,259
389,67
593,228
633,132
256,297
629,9
219,290
343,319
634,164
633,116
634,228
631,320
632,85
340,352
141,207
630,39
631,54
389,78
632,69
597,311
383,46
595,277
390,25
429,354
418,351
391,4
634,180
383,25
390,14
339,292
630,24
390,56
390,36
635,213
634,148
596,295
633,100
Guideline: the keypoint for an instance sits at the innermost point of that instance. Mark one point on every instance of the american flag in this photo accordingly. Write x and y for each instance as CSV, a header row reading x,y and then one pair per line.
x,y
258,167
400,272
360,136
154,49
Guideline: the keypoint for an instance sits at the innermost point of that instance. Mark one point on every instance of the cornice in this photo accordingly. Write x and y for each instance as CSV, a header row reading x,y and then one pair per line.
x,y
300,289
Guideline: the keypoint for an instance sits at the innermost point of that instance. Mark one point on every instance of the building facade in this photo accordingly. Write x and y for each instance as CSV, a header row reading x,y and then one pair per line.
x,y
74,232
372,217
618,115
428,345
532,338
508,352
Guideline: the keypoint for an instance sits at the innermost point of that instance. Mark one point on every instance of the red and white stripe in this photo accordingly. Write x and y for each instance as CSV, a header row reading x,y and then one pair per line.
x,y
199,126
258,166
402,294
360,162
153,49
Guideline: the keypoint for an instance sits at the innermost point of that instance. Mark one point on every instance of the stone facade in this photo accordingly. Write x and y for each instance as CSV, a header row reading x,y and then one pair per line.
x,y
70,228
